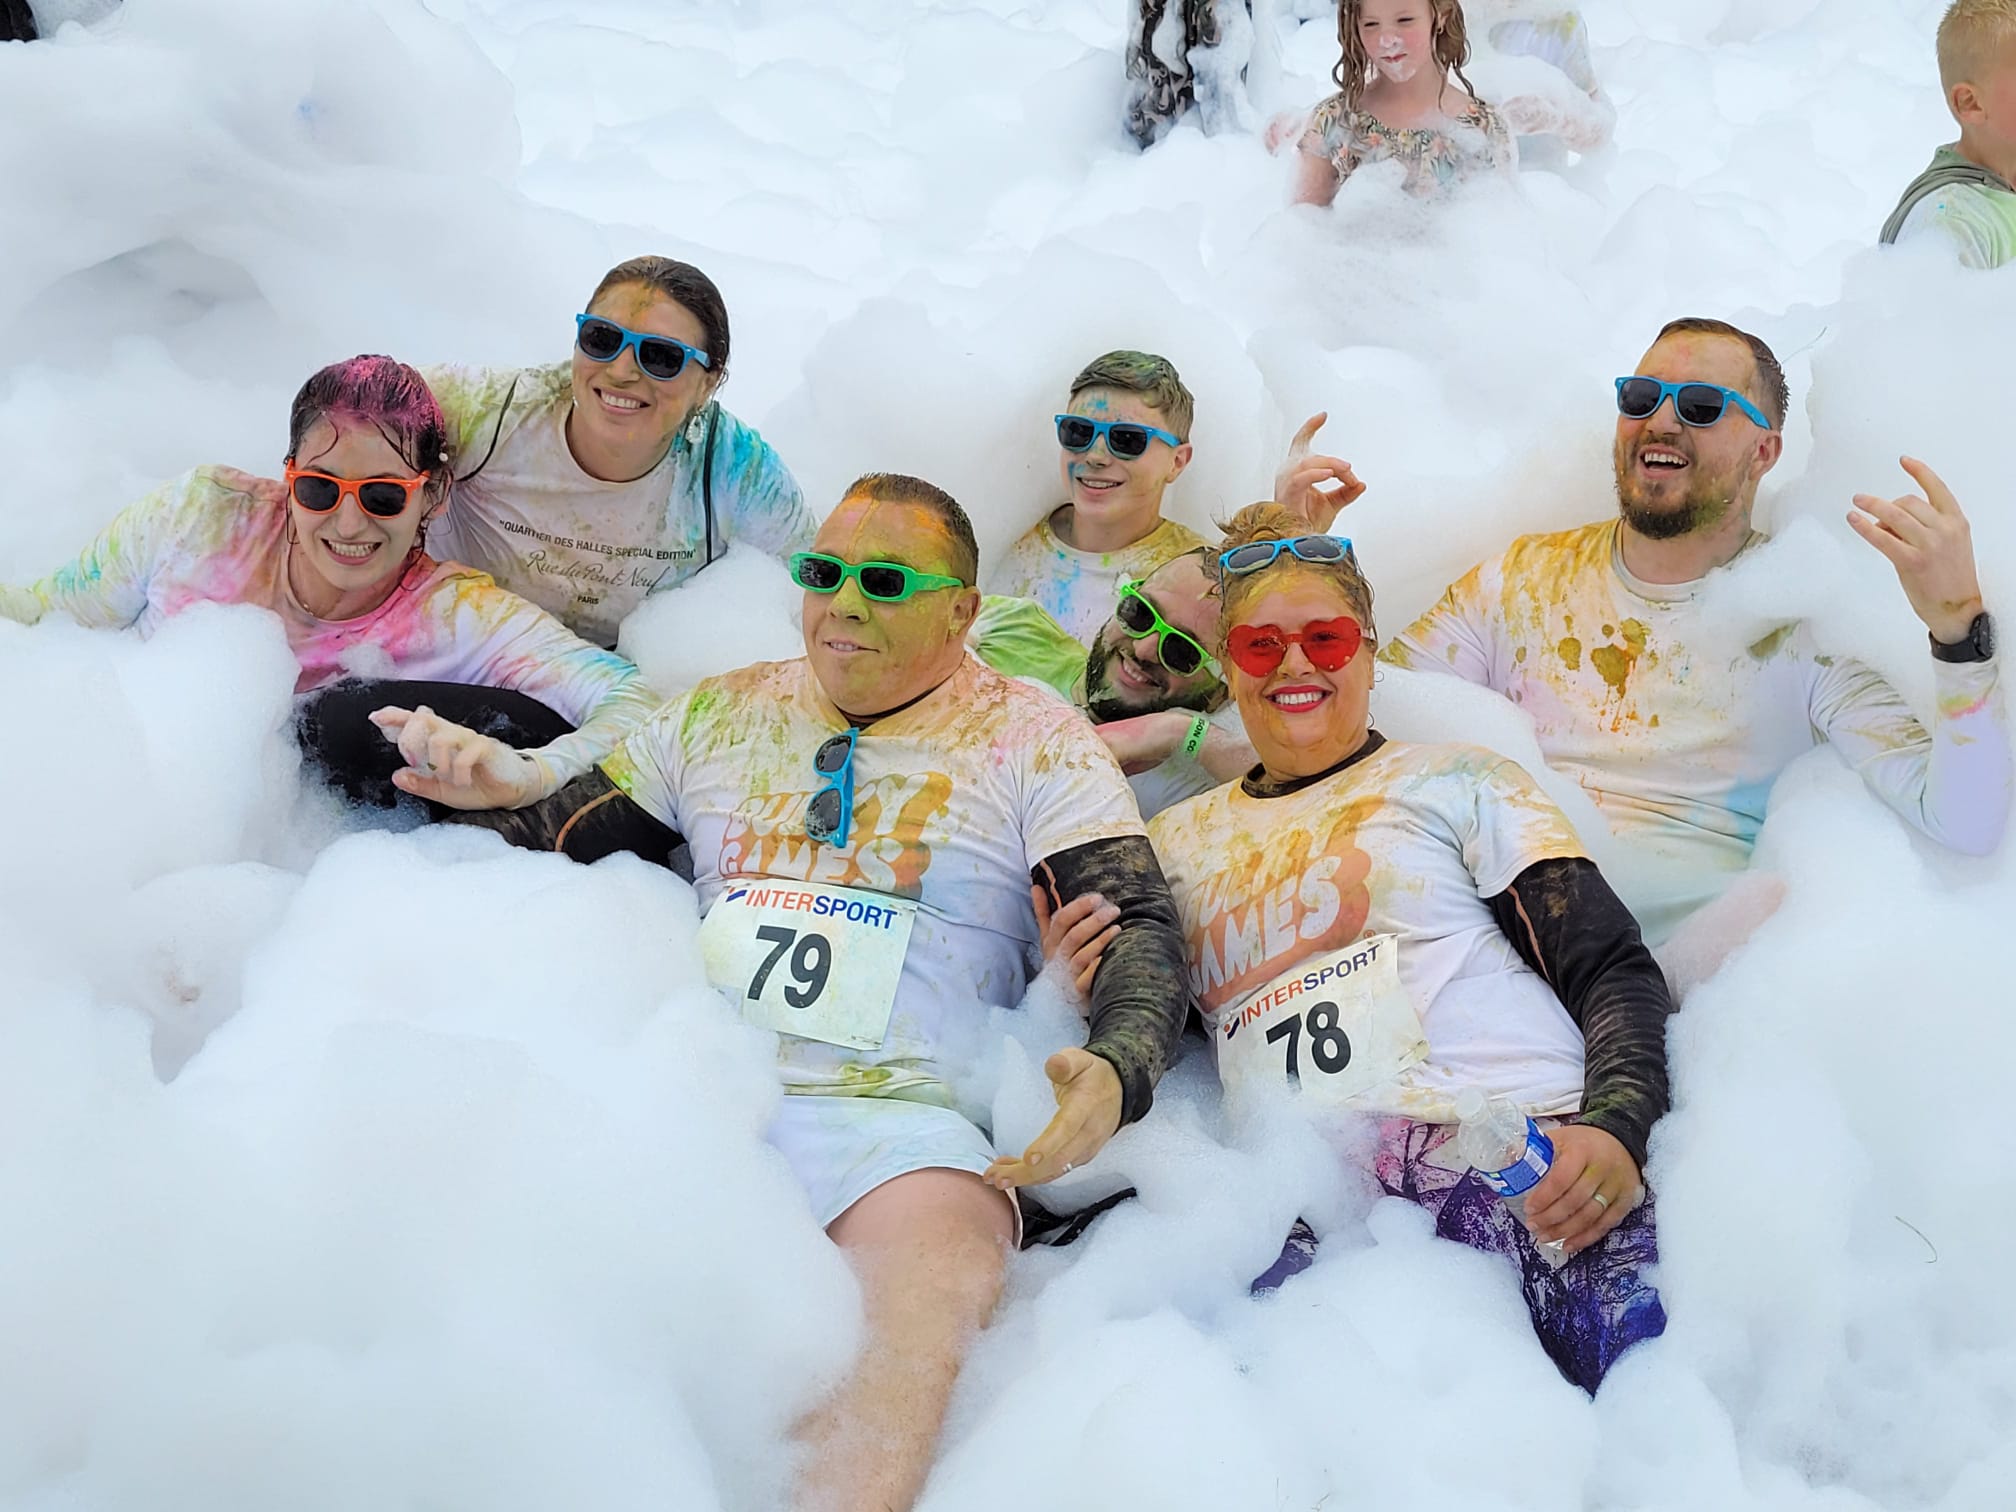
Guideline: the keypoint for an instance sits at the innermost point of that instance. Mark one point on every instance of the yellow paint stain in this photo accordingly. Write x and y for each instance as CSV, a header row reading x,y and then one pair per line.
x,y
1570,651
1518,656
1615,663
1653,722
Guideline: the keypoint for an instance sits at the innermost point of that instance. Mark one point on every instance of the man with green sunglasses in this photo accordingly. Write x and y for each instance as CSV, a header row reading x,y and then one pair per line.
x,y
1150,684
870,826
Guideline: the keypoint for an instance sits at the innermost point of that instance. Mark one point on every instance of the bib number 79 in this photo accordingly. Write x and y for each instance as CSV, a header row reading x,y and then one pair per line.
x,y
811,964
1329,1046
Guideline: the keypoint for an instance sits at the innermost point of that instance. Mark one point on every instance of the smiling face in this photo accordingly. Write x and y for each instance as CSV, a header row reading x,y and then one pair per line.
x,y
623,420
871,656
345,562
1674,479
1108,491
1124,675
1398,36
1301,719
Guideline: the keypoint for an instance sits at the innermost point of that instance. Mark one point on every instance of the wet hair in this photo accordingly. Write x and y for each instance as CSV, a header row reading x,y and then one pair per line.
x,y
1971,36
686,286
386,394
901,488
1153,378
1774,394
1354,66
1268,521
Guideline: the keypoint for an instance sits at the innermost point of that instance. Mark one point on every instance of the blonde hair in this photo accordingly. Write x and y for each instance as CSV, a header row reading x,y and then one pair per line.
x,y
1268,521
1354,67
1971,34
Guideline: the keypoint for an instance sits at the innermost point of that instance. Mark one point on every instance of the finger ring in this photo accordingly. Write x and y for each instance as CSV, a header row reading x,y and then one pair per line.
x,y
1068,1168
1599,1199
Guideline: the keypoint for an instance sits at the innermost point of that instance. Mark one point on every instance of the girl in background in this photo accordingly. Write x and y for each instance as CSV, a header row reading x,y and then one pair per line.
x,y
1402,96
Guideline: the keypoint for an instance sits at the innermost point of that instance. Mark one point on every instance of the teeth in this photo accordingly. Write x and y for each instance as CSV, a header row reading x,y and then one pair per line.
x,y
1665,458
622,401
1297,700
356,552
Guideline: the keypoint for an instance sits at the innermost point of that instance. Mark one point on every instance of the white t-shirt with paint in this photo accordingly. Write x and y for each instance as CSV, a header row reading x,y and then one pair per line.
x,y
584,550
1077,588
218,536
1677,726
956,798
1408,841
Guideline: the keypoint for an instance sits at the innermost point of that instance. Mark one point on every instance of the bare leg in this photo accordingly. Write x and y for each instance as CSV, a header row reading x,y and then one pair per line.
x,y
929,1248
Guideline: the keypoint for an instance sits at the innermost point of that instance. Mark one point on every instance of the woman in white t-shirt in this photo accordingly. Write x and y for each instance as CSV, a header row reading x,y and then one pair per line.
x,y
1379,924
586,485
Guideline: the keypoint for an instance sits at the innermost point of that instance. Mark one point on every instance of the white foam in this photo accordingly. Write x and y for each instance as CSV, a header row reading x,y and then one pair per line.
x,y
464,1199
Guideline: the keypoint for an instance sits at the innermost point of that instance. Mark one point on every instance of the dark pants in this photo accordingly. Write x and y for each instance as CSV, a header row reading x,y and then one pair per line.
x,y
17,22
335,730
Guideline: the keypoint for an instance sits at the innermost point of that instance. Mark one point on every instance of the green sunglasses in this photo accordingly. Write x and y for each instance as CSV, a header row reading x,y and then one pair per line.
x,y
1177,650
885,582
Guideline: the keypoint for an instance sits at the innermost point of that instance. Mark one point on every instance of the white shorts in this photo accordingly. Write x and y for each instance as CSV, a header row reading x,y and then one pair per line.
x,y
842,1148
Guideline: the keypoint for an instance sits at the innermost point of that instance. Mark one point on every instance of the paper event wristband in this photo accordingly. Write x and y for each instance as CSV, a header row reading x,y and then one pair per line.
x,y
1194,741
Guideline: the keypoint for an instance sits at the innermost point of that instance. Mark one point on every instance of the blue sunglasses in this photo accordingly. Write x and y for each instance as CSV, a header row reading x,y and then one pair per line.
x,y
1697,404
831,813
1255,555
660,357
1124,438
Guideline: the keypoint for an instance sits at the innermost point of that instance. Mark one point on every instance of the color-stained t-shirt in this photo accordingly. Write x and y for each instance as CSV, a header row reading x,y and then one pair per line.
x,y
211,538
1979,219
581,549
1079,588
1435,159
1410,842
1677,726
1015,637
956,798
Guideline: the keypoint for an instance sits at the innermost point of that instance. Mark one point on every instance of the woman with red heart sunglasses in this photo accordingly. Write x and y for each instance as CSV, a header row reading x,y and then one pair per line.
x,y
335,549
1376,927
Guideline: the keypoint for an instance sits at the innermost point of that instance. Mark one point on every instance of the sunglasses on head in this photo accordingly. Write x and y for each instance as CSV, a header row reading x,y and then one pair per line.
x,y
1177,650
381,498
1255,555
1697,404
885,582
831,813
1328,643
660,357
1123,437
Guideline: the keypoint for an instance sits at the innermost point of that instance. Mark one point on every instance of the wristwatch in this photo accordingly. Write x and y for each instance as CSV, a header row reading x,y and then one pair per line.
x,y
1977,646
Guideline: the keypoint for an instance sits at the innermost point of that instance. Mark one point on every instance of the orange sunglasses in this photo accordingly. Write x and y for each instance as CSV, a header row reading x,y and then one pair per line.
x,y
381,498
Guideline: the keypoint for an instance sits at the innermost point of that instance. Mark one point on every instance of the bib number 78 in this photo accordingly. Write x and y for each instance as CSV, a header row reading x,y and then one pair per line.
x,y
811,964
1329,1046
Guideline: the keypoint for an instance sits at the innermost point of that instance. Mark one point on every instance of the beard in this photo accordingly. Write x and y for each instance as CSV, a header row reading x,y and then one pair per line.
x,y
1704,505
1105,703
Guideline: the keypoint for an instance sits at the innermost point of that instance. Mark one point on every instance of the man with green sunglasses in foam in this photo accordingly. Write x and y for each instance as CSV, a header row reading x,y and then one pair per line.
x,y
1150,684
869,826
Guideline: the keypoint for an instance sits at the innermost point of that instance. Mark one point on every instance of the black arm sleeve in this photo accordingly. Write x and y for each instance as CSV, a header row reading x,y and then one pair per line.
x,y
587,819
1566,923
1141,992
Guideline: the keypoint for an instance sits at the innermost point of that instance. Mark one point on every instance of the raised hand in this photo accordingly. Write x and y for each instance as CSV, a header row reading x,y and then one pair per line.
x,y
454,765
1928,541
1299,483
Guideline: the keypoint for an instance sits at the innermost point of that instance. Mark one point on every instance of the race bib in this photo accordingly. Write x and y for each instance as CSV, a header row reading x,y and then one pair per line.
x,y
819,962
1337,1026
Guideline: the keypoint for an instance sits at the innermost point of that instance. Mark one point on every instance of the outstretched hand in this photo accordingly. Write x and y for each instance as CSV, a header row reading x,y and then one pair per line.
x,y
1076,935
1299,482
1928,541
1588,1190
453,765
1088,1114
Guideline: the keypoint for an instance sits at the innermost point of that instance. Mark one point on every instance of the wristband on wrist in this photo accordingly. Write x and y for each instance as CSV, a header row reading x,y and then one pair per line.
x,y
1194,741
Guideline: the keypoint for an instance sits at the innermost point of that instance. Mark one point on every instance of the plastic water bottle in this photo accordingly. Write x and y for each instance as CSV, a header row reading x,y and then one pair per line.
x,y
1507,1149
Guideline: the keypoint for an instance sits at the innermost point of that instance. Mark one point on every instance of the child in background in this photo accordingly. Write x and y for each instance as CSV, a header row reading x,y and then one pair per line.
x,y
1969,191
1123,439
1396,101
